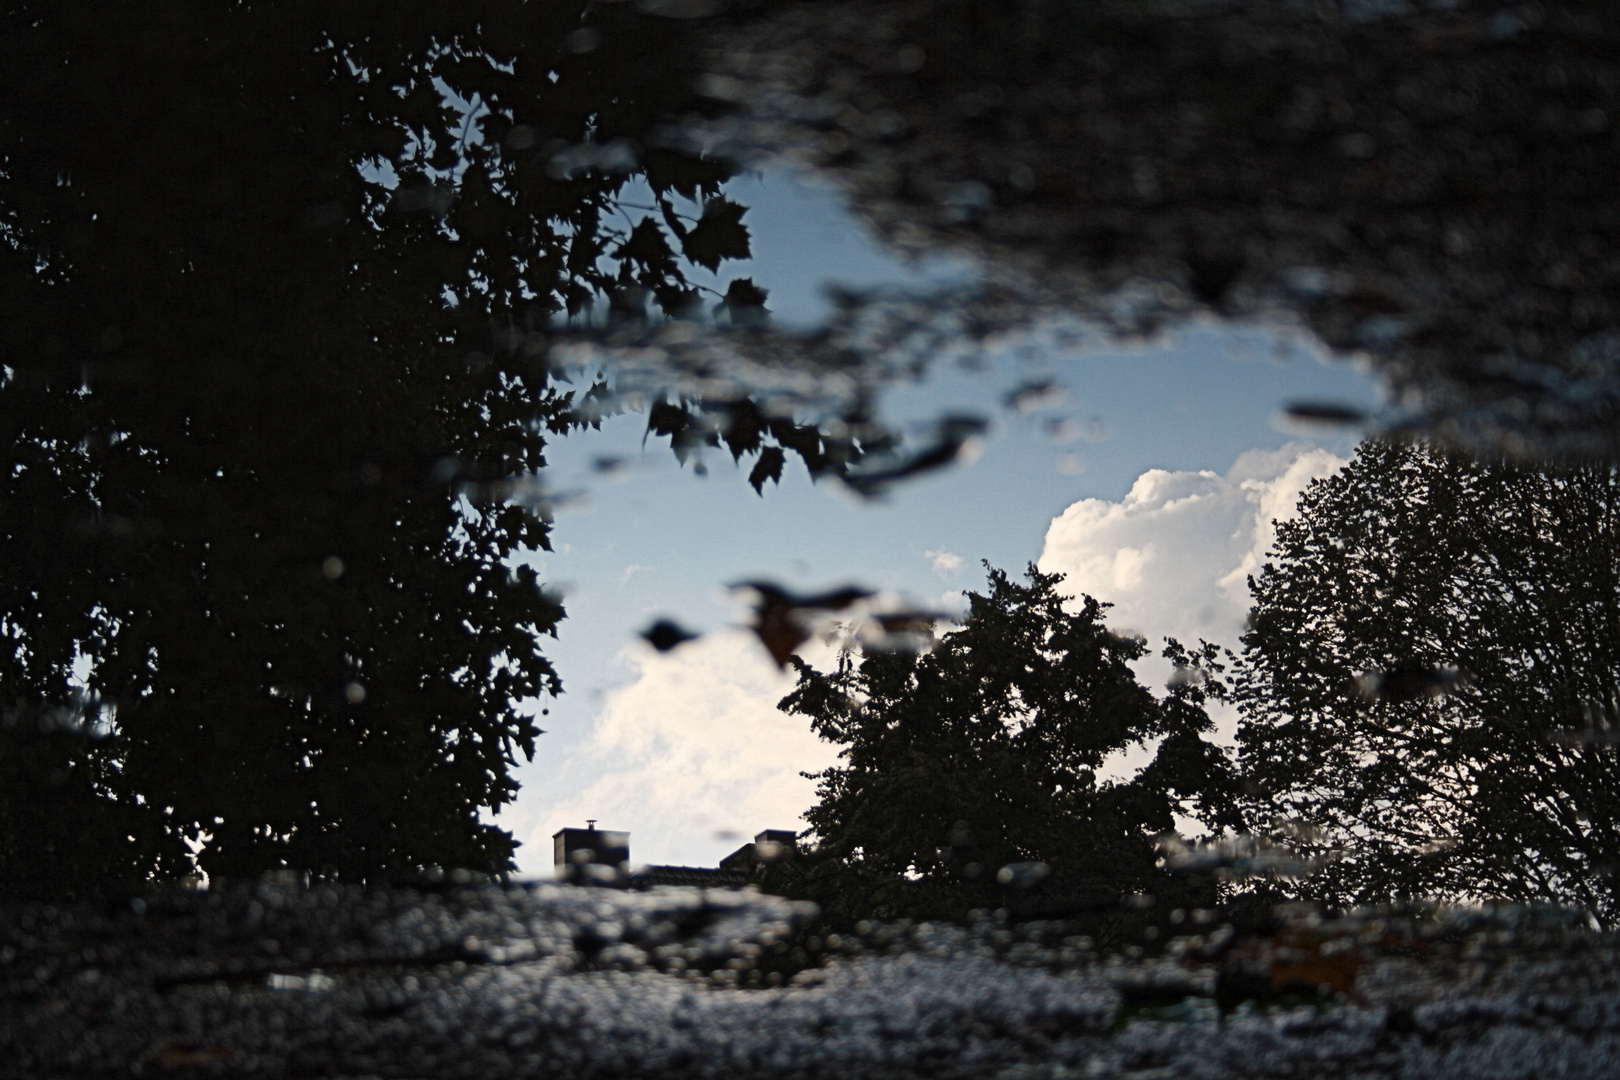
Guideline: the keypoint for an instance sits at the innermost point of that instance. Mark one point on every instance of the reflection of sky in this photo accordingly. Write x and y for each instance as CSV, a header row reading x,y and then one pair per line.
x,y
659,541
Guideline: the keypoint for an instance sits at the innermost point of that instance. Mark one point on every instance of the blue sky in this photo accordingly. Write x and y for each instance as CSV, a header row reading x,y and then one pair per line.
x,y
686,751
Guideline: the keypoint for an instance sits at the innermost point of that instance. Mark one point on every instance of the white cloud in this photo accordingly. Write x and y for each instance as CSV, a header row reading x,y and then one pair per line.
x,y
690,754
944,562
1174,555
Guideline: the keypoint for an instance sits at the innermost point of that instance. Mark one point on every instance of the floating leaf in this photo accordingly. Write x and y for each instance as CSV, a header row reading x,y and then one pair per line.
x,y
1317,412
666,634
780,616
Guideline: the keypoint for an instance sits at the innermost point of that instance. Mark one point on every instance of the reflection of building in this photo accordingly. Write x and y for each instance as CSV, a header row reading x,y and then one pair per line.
x,y
701,876
592,856
772,845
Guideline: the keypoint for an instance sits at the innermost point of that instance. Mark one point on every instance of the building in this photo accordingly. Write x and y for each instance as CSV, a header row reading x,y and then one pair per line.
x,y
769,846
592,856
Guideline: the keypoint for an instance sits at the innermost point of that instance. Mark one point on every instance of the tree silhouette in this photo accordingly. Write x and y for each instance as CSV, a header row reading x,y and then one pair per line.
x,y
275,283
970,773
1430,677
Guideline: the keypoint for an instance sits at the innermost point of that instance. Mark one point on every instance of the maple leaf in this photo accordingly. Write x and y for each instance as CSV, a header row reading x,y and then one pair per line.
x,y
768,467
719,234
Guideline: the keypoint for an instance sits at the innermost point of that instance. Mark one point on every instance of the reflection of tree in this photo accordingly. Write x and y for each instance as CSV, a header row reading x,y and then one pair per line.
x,y
1402,568
243,382
970,774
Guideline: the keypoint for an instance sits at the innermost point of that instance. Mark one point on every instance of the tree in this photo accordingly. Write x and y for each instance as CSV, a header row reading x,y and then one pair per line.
x,y
261,404
1432,676
970,774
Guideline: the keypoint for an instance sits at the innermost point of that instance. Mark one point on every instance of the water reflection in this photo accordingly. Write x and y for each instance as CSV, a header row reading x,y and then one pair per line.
x,y
293,304
1366,171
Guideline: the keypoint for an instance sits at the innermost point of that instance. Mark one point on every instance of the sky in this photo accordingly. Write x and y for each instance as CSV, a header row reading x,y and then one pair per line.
x,y
1157,496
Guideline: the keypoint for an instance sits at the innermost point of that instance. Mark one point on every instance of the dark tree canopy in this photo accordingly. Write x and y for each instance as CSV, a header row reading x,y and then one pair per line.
x,y
965,767
1408,566
272,314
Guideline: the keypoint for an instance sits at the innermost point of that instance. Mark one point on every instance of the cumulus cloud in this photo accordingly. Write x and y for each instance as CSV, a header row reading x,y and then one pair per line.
x,y
944,562
691,754
1174,555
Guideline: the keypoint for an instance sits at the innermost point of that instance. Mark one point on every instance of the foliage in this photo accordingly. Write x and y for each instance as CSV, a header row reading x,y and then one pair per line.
x,y
970,774
274,280
1405,567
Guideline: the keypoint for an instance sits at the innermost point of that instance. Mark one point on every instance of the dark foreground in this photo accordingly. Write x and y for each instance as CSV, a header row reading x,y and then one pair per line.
x,y
554,981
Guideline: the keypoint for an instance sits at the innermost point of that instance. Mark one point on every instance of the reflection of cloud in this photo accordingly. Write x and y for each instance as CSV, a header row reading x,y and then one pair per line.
x,y
632,570
1071,464
1174,555
944,562
692,748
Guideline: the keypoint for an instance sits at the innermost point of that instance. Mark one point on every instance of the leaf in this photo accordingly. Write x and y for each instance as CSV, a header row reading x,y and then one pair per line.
x,y
744,303
666,418
665,635
719,234
646,246
743,293
744,423
779,619
768,467
666,169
